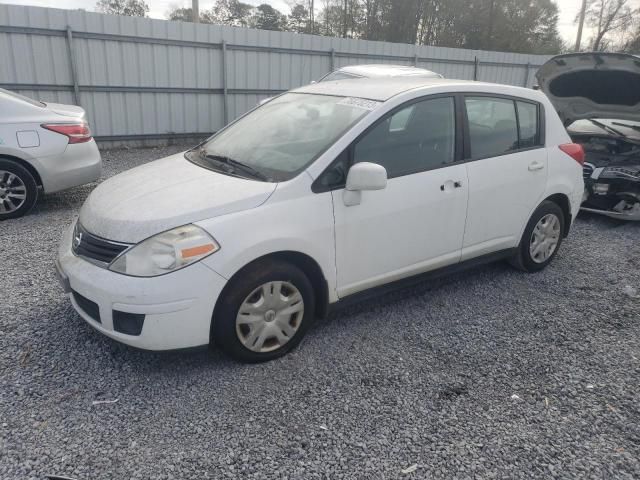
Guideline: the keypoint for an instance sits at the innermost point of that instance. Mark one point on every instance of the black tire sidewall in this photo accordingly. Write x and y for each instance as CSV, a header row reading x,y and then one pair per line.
x,y
30,184
545,208
223,329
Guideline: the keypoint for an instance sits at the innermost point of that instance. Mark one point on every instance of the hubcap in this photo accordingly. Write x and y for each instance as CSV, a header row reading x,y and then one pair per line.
x,y
13,192
270,316
544,239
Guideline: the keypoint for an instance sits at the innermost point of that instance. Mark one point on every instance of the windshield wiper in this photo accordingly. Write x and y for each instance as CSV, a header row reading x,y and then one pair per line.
x,y
627,125
234,164
604,126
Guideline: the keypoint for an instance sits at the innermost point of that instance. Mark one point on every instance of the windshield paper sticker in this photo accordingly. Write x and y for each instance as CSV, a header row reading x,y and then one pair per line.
x,y
359,103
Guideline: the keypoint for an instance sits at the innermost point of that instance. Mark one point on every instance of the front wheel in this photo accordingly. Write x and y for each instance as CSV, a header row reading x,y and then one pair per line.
x,y
264,312
541,239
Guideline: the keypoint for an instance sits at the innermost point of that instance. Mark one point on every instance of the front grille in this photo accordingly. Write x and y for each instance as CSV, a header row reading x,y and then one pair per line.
x,y
92,247
587,170
87,306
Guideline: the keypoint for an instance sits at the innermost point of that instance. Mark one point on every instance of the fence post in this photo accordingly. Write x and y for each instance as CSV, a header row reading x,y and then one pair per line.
x,y
332,61
72,63
526,74
476,65
225,92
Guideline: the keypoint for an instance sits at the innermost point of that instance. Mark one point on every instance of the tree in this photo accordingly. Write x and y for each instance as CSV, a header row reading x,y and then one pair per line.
x,y
607,18
186,15
231,12
299,19
131,8
265,17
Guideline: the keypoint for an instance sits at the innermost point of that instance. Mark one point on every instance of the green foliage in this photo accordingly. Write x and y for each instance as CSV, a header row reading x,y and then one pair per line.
x,y
265,17
131,8
525,26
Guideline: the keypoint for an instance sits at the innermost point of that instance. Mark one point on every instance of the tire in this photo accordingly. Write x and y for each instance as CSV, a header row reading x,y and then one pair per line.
x,y
249,308
15,182
531,259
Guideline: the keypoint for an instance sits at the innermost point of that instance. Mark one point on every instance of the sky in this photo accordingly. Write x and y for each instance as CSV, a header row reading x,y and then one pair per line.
x,y
159,8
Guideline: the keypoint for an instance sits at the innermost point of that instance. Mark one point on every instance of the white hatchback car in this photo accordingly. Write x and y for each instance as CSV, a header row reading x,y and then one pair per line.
x,y
325,192
45,146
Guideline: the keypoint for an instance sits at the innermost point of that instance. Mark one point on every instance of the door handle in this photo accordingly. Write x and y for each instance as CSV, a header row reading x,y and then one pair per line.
x,y
533,166
449,183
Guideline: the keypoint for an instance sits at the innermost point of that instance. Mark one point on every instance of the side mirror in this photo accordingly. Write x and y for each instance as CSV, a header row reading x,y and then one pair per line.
x,y
363,176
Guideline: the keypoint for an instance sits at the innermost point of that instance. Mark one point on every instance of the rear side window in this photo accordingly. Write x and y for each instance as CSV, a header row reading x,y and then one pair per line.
x,y
529,128
493,129
416,138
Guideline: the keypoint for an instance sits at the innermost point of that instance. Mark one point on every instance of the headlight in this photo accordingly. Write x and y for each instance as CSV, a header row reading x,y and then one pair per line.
x,y
632,171
166,252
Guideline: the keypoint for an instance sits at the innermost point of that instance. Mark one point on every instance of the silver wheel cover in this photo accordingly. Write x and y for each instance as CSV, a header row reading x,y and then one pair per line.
x,y
270,316
13,192
545,238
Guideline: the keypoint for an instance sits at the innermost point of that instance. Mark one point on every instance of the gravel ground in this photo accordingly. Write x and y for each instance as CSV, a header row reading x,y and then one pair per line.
x,y
488,374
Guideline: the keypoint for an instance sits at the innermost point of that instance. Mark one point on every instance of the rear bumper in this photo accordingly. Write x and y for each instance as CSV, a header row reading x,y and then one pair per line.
x,y
79,164
176,309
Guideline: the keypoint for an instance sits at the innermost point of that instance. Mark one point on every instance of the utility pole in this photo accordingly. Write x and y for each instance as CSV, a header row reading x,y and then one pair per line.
x,y
490,29
195,8
583,11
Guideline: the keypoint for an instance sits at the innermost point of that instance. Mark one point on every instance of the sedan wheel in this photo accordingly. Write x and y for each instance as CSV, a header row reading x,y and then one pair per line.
x,y
13,192
270,316
18,190
545,238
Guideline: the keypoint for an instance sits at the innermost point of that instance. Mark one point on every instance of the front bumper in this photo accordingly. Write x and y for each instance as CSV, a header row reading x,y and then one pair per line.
x,y
633,214
176,308
612,197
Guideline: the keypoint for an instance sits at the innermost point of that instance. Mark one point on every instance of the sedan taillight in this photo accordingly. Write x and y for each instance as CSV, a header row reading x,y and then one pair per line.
x,y
574,150
75,132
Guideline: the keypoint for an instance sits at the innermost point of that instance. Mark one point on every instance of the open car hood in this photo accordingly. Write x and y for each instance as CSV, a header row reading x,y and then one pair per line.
x,y
592,85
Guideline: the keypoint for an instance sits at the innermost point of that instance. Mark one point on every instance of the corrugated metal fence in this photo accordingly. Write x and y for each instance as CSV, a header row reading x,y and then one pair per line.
x,y
143,79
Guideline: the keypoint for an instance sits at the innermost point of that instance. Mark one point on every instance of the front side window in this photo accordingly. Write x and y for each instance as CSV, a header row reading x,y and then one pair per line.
x,y
281,138
416,138
493,129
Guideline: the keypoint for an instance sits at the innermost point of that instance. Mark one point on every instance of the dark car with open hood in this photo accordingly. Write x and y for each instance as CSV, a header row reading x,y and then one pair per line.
x,y
597,96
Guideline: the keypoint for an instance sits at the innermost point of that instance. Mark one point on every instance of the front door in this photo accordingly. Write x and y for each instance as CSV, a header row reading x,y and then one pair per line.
x,y
417,222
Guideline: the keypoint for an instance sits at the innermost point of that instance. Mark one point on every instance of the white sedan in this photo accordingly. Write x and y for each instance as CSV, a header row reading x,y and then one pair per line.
x,y
325,192
44,147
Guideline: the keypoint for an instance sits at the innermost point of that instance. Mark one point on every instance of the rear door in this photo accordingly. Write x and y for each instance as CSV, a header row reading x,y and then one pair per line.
x,y
507,170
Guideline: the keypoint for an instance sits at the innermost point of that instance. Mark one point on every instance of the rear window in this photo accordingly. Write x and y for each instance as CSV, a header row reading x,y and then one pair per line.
x,y
498,126
493,129
31,101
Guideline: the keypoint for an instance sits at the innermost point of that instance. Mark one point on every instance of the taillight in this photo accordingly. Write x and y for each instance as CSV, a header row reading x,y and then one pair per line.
x,y
574,150
75,132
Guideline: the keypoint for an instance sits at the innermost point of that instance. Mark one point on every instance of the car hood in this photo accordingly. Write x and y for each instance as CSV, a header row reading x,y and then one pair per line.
x,y
592,85
165,194
66,110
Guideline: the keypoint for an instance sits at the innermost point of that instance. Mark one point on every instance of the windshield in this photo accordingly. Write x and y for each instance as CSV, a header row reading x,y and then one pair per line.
x,y
338,75
22,97
281,138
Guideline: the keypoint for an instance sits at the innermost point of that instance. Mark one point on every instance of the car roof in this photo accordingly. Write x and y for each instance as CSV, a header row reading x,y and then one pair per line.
x,y
382,70
382,89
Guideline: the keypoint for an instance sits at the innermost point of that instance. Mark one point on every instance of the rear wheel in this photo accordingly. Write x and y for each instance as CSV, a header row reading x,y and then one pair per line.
x,y
541,239
264,312
18,190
